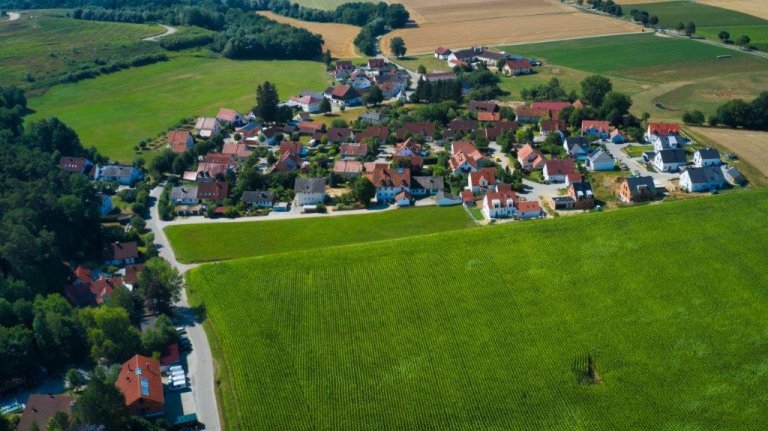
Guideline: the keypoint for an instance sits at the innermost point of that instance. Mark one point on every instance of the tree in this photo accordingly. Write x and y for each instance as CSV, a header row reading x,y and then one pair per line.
x,y
101,403
594,88
422,69
156,338
734,113
58,335
17,352
74,378
695,118
267,101
159,284
374,96
325,105
743,41
138,223
327,58
397,46
364,190
111,334
615,106
690,29
724,36
125,299
524,134
680,26
653,20
59,422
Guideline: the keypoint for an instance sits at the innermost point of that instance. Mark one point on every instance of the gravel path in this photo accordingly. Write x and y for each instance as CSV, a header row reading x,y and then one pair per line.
x,y
168,31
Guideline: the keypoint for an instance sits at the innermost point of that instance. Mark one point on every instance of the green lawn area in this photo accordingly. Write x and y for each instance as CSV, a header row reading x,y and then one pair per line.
x,y
487,329
672,12
219,241
636,150
114,112
50,46
758,34
429,61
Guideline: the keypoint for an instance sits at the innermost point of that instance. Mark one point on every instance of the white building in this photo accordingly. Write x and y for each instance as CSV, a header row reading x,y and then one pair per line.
x,y
310,191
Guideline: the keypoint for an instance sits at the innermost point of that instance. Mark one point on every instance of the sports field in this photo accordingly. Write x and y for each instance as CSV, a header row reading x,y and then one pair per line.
x,y
49,46
491,328
220,241
463,23
339,38
115,112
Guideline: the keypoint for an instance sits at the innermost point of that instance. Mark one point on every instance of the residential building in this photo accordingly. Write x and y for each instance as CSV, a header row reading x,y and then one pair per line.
x,y
389,182
495,130
229,116
348,168
661,129
444,199
403,199
380,133
576,146
555,170
311,127
617,137
529,158
238,150
601,129
442,53
426,186
489,117
460,127
184,195
599,160
353,150
706,157
123,175
482,180
345,95
732,175
670,160
207,127
670,142
258,198
480,106
424,130
548,127
309,191
468,198
582,195
141,383
409,148
373,118
340,134
180,141
526,210
40,408
121,253
497,205
212,191
637,189
517,67
702,179
307,103
75,165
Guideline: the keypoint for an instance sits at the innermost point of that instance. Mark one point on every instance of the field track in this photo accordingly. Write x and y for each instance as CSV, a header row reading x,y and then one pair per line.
x,y
338,38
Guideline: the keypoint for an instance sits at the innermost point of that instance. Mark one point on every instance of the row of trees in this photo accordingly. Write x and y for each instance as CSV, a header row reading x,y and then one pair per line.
x,y
607,6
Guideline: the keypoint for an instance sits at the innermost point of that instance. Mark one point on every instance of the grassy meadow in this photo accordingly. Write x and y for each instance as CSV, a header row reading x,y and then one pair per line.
x,y
491,328
758,34
672,12
49,46
115,112
219,241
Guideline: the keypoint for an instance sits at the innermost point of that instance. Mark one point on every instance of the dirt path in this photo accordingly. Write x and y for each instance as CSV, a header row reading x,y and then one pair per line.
x,y
168,31
13,16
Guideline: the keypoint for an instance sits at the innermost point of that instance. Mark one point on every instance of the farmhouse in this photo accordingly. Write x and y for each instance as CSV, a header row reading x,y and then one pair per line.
x,y
345,95
529,158
706,157
556,171
389,182
258,198
308,103
702,179
576,146
637,189
309,191
141,383
180,141
212,191
601,129
482,180
670,160
229,116
599,160
442,53
517,67
207,127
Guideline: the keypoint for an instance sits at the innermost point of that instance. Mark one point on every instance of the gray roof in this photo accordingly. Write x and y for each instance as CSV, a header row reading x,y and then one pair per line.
x,y
599,156
428,183
705,175
709,153
183,193
252,196
572,142
583,190
732,174
117,171
310,185
673,156
636,182
443,195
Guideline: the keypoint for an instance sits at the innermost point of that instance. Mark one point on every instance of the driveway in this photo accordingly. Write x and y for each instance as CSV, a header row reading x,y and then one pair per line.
x,y
636,164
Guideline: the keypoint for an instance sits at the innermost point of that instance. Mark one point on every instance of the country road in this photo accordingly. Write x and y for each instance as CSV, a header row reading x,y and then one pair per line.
x,y
199,361
168,31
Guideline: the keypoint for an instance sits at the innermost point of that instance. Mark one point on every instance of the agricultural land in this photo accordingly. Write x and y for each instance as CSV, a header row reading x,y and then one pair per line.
x,y
491,328
325,4
208,242
338,38
753,7
462,23
748,145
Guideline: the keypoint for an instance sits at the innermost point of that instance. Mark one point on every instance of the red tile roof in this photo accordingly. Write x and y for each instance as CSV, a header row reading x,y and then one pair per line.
x,y
215,191
142,386
489,116
290,147
518,64
354,150
560,167
72,164
239,150
489,174
383,176
347,167
527,206
442,50
178,140
662,129
551,106
380,132
600,126
227,115
170,354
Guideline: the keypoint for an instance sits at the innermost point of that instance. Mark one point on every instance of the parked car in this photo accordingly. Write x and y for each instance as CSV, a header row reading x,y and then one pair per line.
x,y
181,330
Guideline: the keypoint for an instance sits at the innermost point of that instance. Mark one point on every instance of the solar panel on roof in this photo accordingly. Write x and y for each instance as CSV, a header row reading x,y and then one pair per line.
x,y
144,386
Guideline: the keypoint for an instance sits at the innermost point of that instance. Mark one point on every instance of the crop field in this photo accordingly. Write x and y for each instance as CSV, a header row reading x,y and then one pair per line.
x,y
673,12
339,38
758,34
749,146
325,4
757,8
114,112
49,46
491,328
219,241
463,23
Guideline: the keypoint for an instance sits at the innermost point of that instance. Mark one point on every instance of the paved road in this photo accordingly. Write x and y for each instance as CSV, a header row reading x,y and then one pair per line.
x,y
636,164
200,360
168,31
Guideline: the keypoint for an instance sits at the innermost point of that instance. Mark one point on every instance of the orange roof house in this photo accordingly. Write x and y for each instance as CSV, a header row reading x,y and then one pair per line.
x,y
142,386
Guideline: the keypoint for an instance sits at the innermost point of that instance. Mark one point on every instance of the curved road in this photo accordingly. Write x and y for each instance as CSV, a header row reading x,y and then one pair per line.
x,y
168,31
13,16
200,360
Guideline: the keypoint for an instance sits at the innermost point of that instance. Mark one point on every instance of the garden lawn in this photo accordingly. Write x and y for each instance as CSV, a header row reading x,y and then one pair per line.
x,y
115,112
491,328
219,241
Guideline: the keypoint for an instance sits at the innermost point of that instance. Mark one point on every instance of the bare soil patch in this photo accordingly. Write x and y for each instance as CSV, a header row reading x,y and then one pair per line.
x,y
338,38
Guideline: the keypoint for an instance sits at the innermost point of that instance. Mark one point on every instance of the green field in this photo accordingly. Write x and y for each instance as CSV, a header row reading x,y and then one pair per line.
x,y
758,34
490,328
114,112
672,12
219,241
49,46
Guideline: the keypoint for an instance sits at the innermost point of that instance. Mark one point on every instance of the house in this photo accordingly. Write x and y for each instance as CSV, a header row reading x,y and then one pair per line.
x,y
376,63
617,137
440,76
379,133
311,127
373,118
389,182
360,82
637,189
464,55
302,116
517,67
670,160
489,117
424,130
571,178
576,146
702,179
526,210
460,127
216,166
258,198
288,161
344,65
601,129
426,186
582,195
131,274
184,195
353,150
442,53
467,198
123,175
548,127
529,158
309,104
207,127
732,175
489,57
75,165
453,63
466,147
560,203
706,157
661,129
599,160
409,148
238,150
212,191
498,205
444,199
671,142
495,130
555,170
40,408
91,287
347,168
340,134
345,95
482,180
403,199
121,253
229,116
180,141
480,106
141,383
169,356
250,130
529,115
553,107
309,191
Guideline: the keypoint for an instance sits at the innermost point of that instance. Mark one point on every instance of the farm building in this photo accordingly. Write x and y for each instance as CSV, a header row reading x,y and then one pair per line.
x,y
517,67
